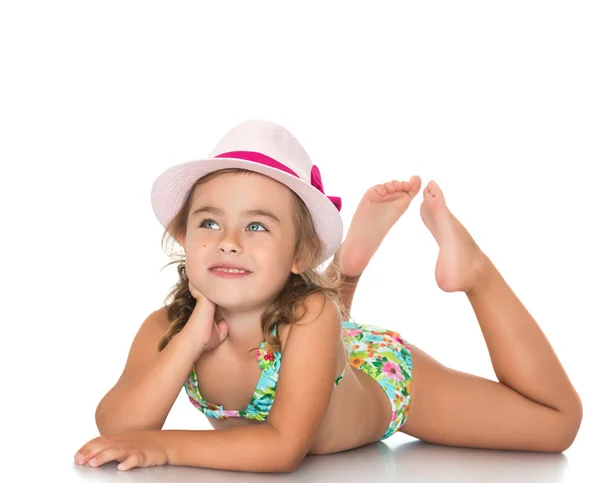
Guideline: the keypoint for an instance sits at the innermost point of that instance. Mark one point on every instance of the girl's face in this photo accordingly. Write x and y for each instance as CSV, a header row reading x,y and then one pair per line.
x,y
240,240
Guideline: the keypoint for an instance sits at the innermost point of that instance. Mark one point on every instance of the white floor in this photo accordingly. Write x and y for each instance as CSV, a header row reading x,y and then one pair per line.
x,y
49,452
401,458
412,461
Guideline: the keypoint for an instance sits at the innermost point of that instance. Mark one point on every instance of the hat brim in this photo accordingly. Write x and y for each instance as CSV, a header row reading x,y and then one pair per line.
x,y
171,188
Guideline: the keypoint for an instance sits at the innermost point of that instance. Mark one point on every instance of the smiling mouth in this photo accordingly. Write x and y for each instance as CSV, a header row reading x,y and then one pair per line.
x,y
229,270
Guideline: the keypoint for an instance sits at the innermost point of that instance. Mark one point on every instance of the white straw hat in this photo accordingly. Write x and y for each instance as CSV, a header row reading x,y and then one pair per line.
x,y
266,148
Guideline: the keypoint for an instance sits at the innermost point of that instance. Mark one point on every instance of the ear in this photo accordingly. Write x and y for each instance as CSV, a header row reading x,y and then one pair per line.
x,y
181,240
296,268
299,266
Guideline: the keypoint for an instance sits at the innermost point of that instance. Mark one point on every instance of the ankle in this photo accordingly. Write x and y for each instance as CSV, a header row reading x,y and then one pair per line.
x,y
484,274
350,279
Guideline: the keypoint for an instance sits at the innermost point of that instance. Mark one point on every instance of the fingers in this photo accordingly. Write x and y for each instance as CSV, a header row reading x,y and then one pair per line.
x,y
194,291
129,463
113,453
100,450
89,450
199,296
223,328
109,454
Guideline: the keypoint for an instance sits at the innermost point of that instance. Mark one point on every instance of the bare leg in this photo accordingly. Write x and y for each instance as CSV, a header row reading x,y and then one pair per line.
x,y
534,405
381,207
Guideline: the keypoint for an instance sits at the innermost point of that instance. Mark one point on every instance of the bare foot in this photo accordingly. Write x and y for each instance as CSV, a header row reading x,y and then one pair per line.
x,y
381,206
460,260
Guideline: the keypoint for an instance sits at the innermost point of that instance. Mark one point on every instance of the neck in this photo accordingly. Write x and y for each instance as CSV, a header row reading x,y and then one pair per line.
x,y
244,326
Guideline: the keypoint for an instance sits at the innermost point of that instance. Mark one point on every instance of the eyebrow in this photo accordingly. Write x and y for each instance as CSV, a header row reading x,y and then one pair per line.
x,y
218,211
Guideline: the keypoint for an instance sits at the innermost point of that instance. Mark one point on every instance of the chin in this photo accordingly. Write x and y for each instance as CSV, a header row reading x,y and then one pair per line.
x,y
235,303
244,299
229,301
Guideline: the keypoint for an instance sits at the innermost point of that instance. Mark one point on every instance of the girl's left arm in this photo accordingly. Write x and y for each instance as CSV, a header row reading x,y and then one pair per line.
x,y
305,384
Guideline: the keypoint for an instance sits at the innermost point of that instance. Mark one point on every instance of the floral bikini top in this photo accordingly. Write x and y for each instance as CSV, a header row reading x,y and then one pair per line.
x,y
264,394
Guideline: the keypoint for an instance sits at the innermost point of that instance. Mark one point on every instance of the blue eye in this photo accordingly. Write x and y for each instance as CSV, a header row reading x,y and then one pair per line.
x,y
207,221
251,225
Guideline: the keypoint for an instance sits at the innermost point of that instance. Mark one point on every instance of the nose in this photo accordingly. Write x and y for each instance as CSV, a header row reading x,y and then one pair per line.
x,y
229,244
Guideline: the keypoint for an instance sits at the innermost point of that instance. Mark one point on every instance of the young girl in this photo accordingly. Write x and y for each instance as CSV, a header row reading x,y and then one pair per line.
x,y
259,338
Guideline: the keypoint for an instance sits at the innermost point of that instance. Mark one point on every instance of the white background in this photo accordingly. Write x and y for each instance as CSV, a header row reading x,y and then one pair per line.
x,y
498,102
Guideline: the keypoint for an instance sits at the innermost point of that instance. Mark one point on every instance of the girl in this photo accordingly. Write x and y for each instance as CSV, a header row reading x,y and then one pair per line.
x,y
259,339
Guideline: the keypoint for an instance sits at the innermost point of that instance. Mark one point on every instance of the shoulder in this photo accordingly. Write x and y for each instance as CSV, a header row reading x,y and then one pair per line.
x,y
145,343
160,318
318,306
156,324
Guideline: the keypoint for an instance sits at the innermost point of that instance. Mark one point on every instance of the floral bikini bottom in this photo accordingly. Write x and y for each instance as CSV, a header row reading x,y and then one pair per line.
x,y
386,357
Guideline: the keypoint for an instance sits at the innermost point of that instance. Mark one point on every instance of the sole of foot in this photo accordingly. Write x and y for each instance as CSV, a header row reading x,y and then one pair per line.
x,y
379,209
460,262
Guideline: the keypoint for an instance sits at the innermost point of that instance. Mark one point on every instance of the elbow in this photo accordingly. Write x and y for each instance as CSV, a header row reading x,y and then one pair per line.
x,y
110,421
107,421
289,465
108,425
284,451
105,416
291,459
286,456
294,462
100,419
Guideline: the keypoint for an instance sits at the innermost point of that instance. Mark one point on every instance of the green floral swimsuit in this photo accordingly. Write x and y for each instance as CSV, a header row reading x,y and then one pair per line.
x,y
380,353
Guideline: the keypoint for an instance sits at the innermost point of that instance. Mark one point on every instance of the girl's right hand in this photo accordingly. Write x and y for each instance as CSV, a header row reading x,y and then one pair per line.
x,y
201,324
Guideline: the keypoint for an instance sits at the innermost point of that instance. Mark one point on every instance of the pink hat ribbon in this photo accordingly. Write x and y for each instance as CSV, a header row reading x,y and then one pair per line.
x,y
315,174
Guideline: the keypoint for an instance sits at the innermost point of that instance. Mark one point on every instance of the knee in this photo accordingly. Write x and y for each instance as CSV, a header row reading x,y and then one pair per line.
x,y
568,426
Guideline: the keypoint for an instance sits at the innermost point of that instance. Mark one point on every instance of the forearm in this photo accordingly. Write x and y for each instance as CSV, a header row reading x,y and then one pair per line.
x,y
254,448
145,402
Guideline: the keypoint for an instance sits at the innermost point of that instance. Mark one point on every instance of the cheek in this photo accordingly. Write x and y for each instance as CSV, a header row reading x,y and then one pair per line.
x,y
200,238
195,251
278,258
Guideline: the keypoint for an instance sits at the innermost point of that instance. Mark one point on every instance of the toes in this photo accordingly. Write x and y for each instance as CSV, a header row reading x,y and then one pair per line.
x,y
415,185
426,191
411,187
390,187
398,185
395,186
381,190
435,189
415,181
432,190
